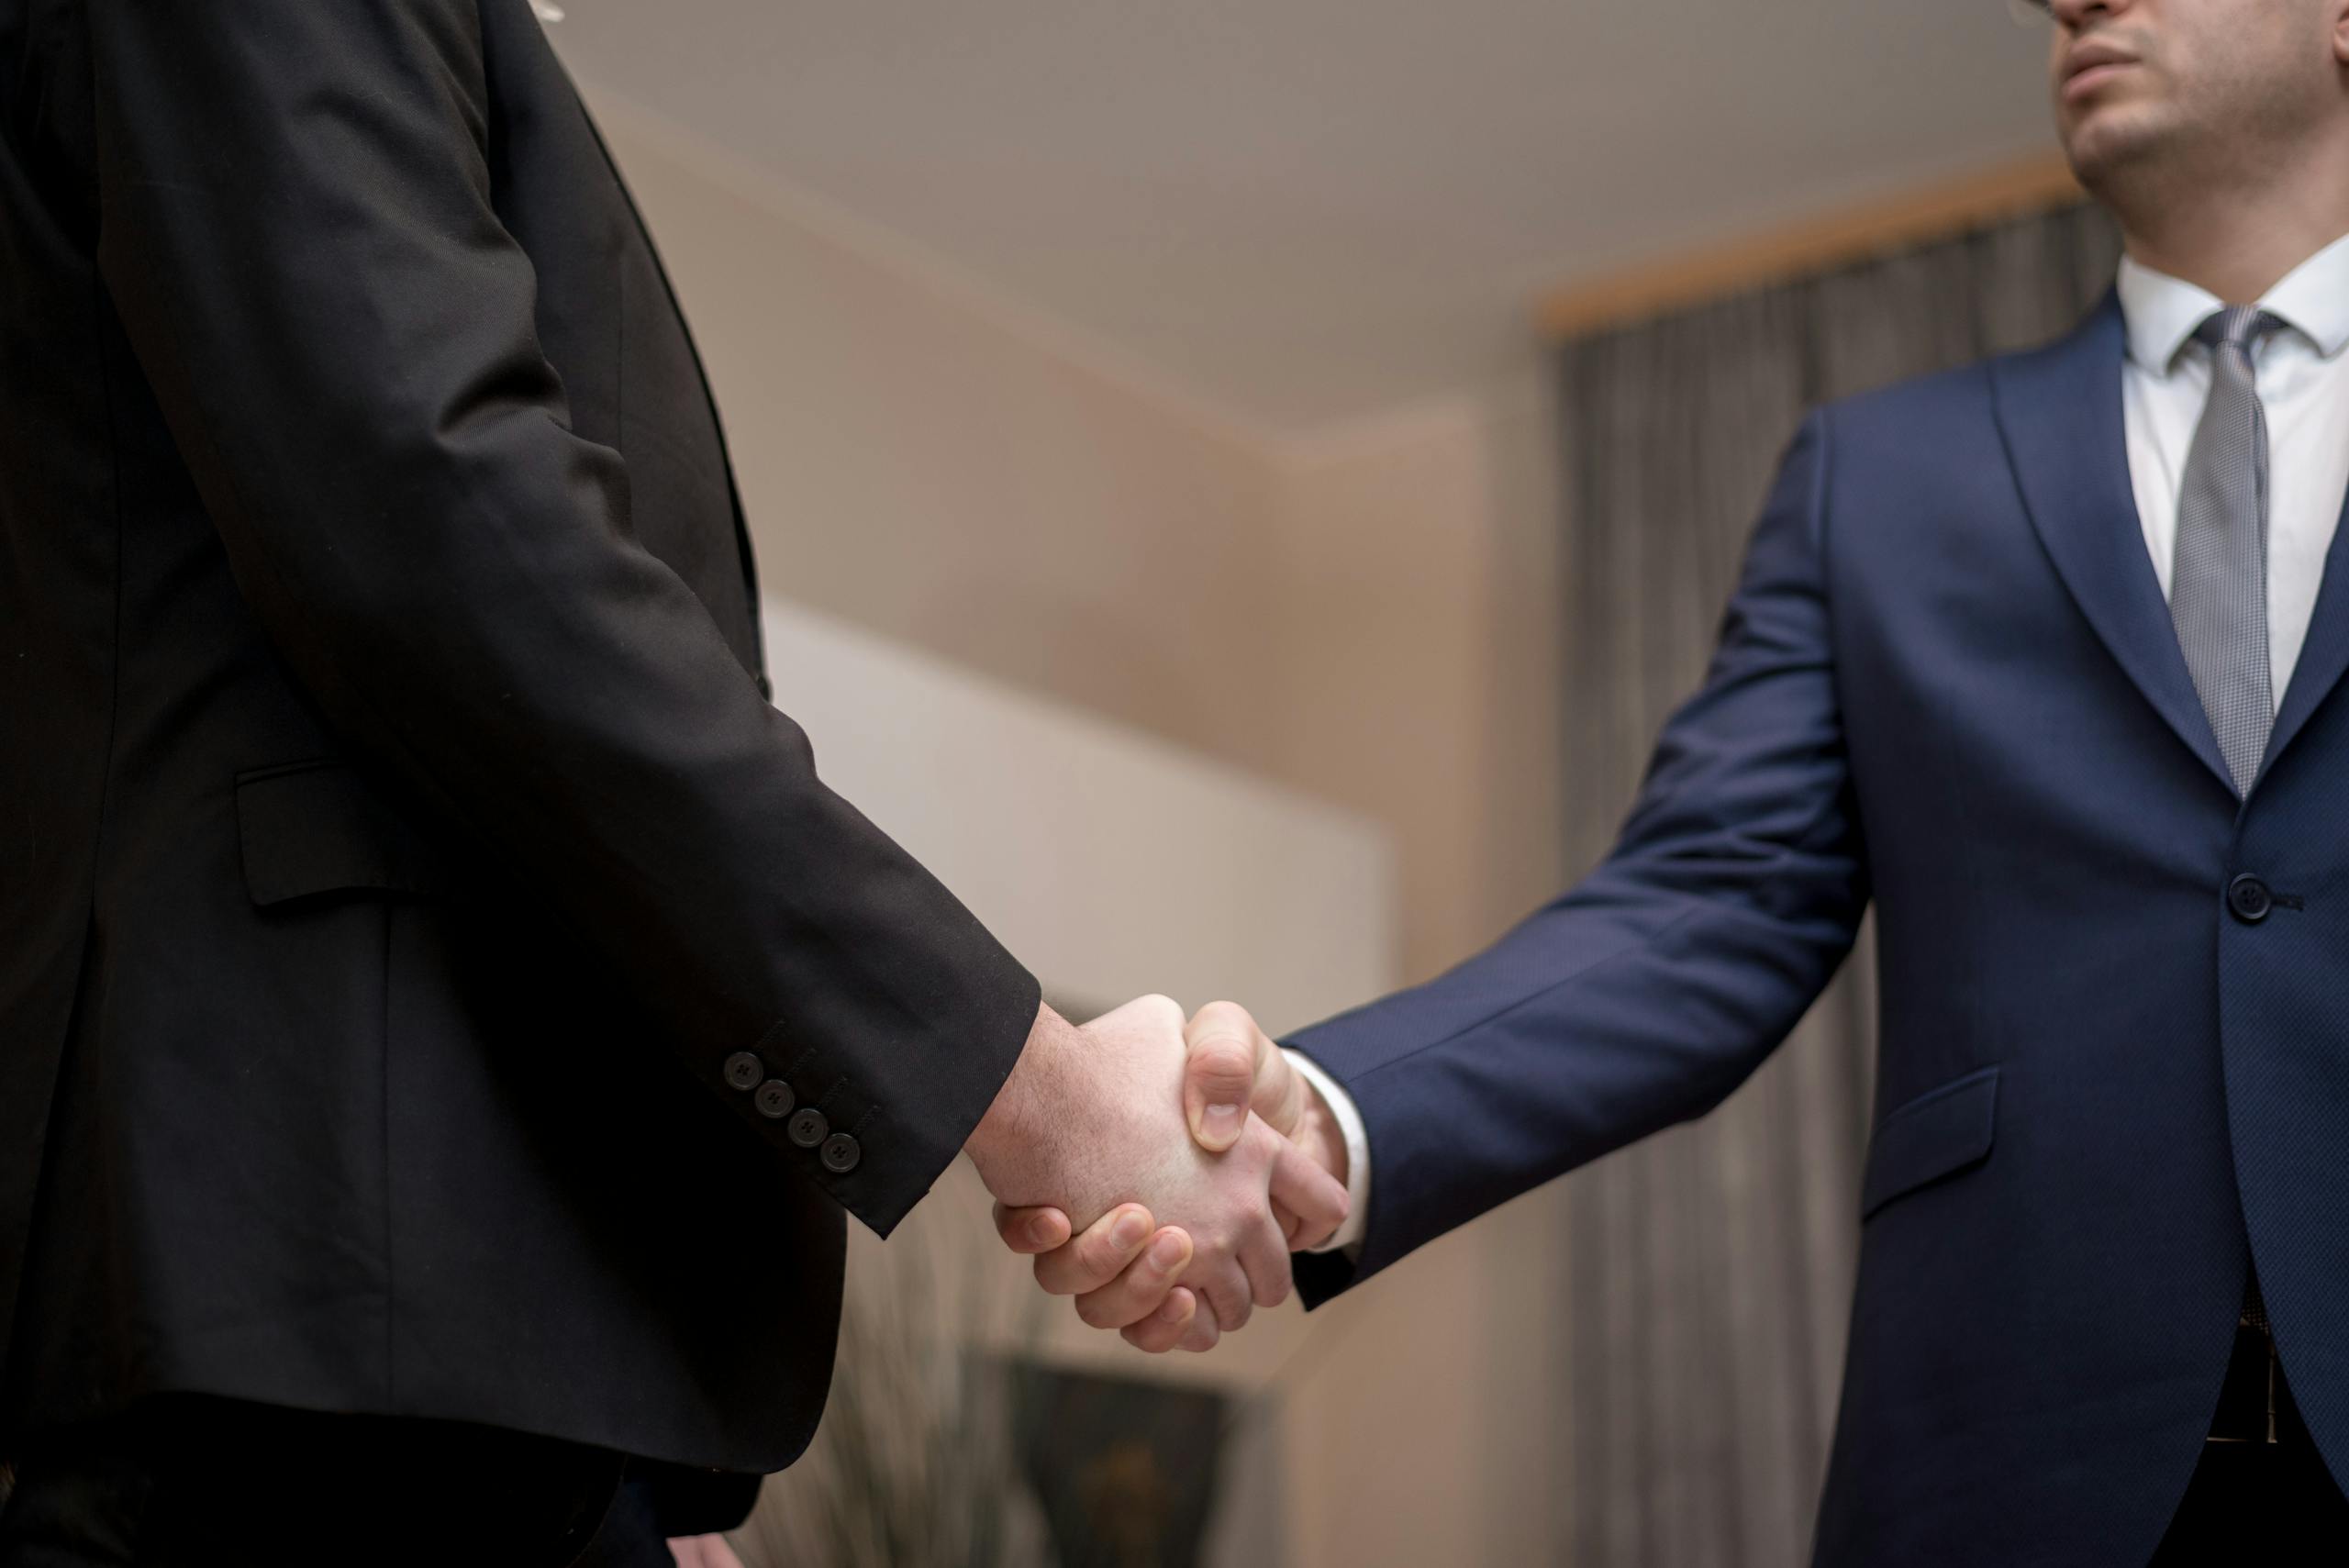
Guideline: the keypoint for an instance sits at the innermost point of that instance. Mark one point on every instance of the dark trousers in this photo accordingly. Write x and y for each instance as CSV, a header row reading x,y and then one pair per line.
x,y
2257,1503
2261,1492
189,1482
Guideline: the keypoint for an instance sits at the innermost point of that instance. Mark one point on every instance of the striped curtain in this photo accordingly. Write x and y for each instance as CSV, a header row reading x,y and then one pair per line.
x,y
1710,1268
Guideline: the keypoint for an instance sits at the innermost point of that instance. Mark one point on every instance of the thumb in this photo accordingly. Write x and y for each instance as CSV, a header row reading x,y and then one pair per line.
x,y
1234,1066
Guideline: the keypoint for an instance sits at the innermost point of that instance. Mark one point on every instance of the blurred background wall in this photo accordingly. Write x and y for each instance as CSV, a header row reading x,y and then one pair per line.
x,y
1193,381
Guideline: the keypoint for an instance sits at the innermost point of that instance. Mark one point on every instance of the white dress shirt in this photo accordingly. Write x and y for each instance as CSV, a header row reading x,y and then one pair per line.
x,y
2303,385
2303,379
1343,1111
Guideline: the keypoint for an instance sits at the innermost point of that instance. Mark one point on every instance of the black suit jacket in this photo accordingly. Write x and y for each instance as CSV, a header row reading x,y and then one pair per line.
x,y
398,853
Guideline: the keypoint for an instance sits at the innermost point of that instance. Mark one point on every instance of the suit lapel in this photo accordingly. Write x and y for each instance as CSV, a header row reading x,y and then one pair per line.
x,y
2059,410
2322,657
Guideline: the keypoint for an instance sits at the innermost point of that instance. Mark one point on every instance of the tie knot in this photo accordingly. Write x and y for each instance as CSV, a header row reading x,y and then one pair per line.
x,y
2236,327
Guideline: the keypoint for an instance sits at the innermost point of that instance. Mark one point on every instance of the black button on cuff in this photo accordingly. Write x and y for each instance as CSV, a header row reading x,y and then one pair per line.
x,y
743,1070
808,1127
841,1154
2250,899
774,1099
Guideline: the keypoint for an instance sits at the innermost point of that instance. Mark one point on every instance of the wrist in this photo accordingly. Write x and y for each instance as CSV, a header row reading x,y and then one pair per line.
x,y
1008,1128
1318,1134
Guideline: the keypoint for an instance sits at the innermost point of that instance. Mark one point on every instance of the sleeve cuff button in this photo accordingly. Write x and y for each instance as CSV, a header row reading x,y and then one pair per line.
x,y
808,1127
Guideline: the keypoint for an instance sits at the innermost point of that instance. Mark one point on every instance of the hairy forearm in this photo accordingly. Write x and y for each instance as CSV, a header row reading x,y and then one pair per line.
x,y
1012,1122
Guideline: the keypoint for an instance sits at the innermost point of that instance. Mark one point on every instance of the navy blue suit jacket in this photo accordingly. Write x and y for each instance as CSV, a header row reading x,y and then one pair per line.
x,y
1948,682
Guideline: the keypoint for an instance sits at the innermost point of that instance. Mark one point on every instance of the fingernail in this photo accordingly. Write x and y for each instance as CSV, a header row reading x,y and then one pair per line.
x,y
1174,1310
1128,1230
1041,1231
1167,1251
1222,1120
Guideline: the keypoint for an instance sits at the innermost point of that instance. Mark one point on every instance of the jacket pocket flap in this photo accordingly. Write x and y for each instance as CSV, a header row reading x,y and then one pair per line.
x,y
1938,1133
309,827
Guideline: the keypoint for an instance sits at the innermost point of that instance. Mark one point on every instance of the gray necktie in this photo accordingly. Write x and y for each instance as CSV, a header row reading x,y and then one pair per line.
x,y
2219,592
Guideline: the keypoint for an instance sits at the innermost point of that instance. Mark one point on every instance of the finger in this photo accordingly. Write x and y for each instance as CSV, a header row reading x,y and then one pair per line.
x,y
1311,1201
1263,1257
1225,1288
1203,1333
1278,1092
1219,1078
1030,1230
1142,1288
1166,1327
1097,1256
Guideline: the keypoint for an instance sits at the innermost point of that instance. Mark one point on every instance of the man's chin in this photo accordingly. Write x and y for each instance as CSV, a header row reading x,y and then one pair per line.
x,y
2114,142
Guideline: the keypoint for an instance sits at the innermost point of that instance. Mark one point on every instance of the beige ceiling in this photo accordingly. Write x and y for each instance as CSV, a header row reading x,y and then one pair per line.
x,y
1303,212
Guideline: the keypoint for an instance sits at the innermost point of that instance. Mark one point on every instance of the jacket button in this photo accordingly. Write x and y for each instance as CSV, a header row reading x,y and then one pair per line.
x,y
841,1154
2249,898
774,1099
743,1070
808,1127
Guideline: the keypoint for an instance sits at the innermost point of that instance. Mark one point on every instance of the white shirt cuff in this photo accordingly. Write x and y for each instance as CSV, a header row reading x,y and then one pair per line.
x,y
1343,1111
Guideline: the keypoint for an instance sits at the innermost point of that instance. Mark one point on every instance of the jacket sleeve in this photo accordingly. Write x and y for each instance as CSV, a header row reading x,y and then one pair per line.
x,y
1643,996
297,230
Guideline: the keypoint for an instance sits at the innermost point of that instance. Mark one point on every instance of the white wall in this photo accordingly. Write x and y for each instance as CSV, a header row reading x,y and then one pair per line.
x,y
912,462
1113,863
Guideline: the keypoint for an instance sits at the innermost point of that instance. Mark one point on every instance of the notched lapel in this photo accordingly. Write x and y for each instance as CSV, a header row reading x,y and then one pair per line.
x,y
2323,655
2059,412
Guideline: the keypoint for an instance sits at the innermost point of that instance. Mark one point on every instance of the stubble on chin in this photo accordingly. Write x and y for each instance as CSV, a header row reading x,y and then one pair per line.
x,y
2118,152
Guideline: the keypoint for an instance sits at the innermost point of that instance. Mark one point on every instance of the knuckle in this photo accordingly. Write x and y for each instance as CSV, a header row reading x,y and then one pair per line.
x,y
1224,1064
1223,1015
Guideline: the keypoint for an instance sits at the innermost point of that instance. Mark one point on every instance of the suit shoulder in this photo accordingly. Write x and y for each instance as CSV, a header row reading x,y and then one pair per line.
x,y
1955,394
1912,406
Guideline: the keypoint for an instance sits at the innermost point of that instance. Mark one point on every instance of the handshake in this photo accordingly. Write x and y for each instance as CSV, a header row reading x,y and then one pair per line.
x,y
1161,1171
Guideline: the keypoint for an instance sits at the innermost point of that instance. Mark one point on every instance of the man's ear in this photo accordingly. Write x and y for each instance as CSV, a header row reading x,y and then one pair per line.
x,y
2340,9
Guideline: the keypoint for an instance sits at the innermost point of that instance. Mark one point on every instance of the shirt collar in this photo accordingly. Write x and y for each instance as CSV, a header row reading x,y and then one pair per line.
x,y
2162,312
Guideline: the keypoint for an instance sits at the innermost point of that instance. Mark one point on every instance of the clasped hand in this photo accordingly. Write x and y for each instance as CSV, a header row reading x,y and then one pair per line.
x,y
1161,1171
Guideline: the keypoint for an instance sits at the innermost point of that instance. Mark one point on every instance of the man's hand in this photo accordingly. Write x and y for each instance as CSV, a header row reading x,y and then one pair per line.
x,y
1091,1118
1231,1068
1119,1283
